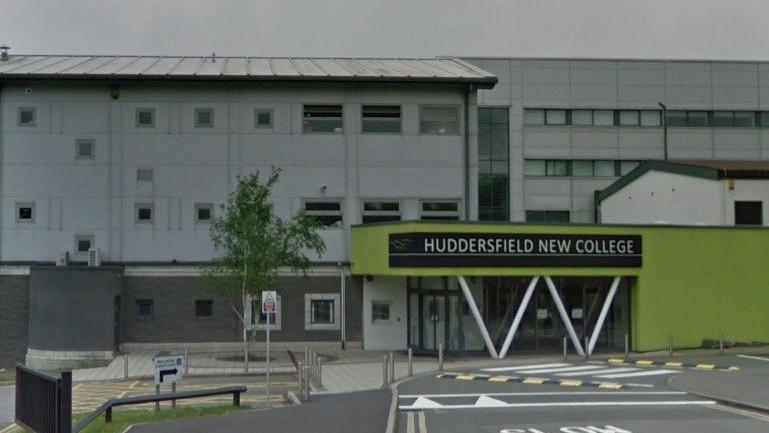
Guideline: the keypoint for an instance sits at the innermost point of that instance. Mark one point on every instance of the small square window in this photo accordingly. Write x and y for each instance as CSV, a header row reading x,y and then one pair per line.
x,y
204,308
25,212
603,117
203,212
534,167
144,309
322,311
381,211
84,148
629,118
381,119
440,211
144,213
145,175
262,119
83,243
204,117
380,311
555,117
748,213
322,119
327,213
145,117
534,116
581,117
27,117
650,118
439,120
582,168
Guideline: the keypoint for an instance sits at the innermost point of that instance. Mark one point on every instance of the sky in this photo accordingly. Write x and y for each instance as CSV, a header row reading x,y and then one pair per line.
x,y
683,29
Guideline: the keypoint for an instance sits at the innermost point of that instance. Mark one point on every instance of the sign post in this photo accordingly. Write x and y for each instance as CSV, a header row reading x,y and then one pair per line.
x,y
269,301
168,370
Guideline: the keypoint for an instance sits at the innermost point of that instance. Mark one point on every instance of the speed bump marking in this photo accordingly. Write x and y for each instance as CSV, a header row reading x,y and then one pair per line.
x,y
534,380
609,385
500,378
570,382
674,364
616,361
465,377
705,366
644,362
733,368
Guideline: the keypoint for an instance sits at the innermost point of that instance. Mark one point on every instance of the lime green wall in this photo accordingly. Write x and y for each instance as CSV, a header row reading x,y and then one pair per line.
x,y
695,283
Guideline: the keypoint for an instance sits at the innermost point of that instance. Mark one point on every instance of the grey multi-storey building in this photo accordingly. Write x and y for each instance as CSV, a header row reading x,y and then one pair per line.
x,y
124,160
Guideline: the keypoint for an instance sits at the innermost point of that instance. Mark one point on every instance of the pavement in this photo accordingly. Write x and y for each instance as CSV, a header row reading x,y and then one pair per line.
x,y
7,397
359,412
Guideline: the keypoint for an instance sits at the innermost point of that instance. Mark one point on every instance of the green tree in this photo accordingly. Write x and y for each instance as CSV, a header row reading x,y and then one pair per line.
x,y
254,244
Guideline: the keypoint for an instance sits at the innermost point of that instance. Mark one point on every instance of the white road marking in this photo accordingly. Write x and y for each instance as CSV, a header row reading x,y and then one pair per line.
x,y
486,401
530,394
601,371
415,406
758,358
8,428
525,367
637,374
562,369
426,403
422,423
410,422
742,412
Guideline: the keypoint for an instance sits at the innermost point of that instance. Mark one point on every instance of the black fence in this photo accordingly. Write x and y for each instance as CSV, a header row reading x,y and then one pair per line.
x,y
43,402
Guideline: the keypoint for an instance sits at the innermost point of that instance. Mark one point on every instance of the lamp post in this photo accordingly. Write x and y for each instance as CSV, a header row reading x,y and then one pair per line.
x,y
664,130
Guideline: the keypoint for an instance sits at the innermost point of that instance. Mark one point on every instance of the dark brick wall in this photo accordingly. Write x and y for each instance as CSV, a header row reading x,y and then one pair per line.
x,y
14,319
174,311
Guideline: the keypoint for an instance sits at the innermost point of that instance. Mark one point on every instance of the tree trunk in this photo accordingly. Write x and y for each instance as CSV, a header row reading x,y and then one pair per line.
x,y
245,339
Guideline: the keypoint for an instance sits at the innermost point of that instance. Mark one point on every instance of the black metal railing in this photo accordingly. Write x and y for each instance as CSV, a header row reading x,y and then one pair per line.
x,y
43,402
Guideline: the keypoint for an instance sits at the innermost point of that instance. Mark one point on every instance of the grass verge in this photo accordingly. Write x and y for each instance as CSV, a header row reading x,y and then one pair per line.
x,y
123,418
7,377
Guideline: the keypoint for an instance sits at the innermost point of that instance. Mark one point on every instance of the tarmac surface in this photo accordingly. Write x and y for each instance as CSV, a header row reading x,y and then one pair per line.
x,y
7,396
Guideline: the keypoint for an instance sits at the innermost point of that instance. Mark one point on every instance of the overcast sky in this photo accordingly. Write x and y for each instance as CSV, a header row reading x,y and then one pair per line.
x,y
711,29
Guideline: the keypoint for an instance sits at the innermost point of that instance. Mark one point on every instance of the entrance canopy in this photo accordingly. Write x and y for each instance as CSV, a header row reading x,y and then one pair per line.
x,y
691,283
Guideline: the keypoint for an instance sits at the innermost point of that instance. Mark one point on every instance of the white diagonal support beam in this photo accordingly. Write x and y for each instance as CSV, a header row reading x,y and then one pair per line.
x,y
518,317
477,315
602,316
564,316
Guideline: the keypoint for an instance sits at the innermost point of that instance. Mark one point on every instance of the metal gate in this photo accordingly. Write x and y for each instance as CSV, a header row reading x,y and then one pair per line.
x,y
43,402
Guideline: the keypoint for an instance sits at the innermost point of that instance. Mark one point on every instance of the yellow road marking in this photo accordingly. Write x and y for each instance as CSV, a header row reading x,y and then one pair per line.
x,y
610,385
465,377
9,428
534,380
674,364
569,382
734,368
644,362
499,378
705,366
616,361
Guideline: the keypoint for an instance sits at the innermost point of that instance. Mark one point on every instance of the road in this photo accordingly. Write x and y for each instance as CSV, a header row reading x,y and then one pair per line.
x,y
7,396
571,397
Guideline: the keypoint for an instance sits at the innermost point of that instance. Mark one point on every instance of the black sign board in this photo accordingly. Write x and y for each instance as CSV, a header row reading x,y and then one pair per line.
x,y
433,250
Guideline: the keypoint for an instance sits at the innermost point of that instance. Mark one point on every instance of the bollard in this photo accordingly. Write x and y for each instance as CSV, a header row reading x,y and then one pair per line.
x,y
306,383
306,355
411,362
186,361
173,391
157,403
440,357
320,373
670,345
300,377
125,366
721,345
565,349
391,375
384,372
587,348
627,346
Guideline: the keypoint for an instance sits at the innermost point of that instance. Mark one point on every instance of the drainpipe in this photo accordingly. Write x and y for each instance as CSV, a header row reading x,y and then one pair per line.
x,y
2,162
664,130
343,307
470,88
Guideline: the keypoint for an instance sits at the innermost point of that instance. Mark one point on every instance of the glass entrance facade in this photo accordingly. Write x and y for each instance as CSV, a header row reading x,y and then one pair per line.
x,y
439,314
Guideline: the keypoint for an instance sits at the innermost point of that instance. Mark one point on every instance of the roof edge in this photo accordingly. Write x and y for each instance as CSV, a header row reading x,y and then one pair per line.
x,y
656,165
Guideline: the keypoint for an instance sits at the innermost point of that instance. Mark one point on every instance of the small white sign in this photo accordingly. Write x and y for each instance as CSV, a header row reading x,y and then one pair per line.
x,y
168,369
269,301
576,313
542,314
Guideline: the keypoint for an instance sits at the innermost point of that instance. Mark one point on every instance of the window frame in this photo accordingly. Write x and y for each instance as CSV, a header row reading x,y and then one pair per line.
x,y
198,302
341,119
152,112
381,213
270,111
33,212
389,320
459,123
197,123
433,215
141,205
309,325
92,144
32,124
203,205
137,308
381,119
337,226
84,237
149,170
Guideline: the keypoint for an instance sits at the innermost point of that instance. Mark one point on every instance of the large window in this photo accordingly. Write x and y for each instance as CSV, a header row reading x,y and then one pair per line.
x,y
322,119
493,164
578,167
591,117
440,120
327,213
381,211
381,119
748,213
548,216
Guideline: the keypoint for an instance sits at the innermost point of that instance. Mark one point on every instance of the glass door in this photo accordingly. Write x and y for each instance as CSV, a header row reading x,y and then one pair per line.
x,y
433,322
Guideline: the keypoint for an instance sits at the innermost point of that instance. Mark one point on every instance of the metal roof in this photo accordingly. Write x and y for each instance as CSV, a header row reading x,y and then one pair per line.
x,y
436,70
706,169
